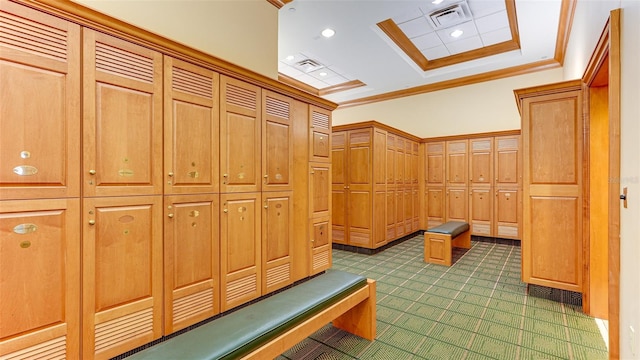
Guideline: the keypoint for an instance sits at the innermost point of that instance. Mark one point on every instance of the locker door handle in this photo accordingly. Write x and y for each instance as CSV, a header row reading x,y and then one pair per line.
x,y
92,222
170,216
225,211
92,172
170,174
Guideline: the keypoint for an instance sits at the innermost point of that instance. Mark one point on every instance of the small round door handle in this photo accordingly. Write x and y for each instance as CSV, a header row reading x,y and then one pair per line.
x,y
170,174
170,216
225,211
92,222
92,172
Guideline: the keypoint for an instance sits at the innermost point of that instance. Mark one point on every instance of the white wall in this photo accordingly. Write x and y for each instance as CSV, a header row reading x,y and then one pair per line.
x,y
243,32
482,107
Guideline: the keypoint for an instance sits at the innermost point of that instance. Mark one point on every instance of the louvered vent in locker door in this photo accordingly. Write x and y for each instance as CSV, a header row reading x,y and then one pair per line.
x,y
278,108
191,83
242,97
32,37
320,120
120,62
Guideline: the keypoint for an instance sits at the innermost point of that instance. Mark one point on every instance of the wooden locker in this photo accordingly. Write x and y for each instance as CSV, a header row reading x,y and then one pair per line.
x,y
457,204
191,259
481,162
319,137
408,210
319,187
391,159
508,213
379,159
391,215
40,117
415,163
456,163
320,245
359,188
552,137
277,240
338,187
122,111
379,227
400,159
277,151
481,211
400,230
508,167
240,136
191,128
415,226
436,207
240,249
40,277
408,162
122,274
435,160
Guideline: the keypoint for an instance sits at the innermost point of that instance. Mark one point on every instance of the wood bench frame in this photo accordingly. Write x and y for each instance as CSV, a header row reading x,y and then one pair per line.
x,y
438,247
355,313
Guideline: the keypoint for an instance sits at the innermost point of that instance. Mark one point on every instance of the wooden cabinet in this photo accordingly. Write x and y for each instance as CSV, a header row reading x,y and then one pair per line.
x,y
492,205
143,189
240,249
122,273
240,136
191,259
40,112
375,197
122,111
191,128
552,136
40,278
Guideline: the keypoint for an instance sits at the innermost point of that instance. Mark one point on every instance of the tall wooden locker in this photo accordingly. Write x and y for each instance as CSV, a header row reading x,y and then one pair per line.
x,y
456,163
379,229
240,136
40,278
391,187
319,135
121,273
552,138
191,259
480,184
320,208
240,249
435,164
339,187
277,240
122,117
508,187
191,128
277,150
391,214
359,187
40,112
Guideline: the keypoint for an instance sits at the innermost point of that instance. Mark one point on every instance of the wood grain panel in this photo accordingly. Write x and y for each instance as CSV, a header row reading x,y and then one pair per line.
x,y
320,132
481,162
40,276
191,128
320,253
379,218
277,138
481,211
40,118
277,240
457,204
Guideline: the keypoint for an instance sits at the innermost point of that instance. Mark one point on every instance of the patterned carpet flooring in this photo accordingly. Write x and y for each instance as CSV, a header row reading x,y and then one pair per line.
x,y
475,309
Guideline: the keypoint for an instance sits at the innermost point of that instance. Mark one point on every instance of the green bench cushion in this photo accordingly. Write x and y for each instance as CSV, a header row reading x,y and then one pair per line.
x,y
242,331
454,228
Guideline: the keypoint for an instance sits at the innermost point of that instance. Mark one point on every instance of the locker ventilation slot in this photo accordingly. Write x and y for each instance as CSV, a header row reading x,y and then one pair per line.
x,y
192,83
320,120
52,349
507,231
122,329
241,97
360,138
36,38
238,288
435,148
457,147
123,63
507,144
481,145
192,305
277,108
278,275
321,260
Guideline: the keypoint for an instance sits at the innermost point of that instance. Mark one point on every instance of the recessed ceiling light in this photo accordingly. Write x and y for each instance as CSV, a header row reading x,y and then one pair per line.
x,y
328,32
323,74
457,33
290,57
436,2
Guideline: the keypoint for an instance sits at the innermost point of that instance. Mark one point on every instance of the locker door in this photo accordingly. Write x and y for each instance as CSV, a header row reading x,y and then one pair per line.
x,y
240,129
481,211
456,163
481,162
277,240
277,152
40,118
122,117
338,187
191,260
508,213
40,277
240,249
191,122
457,201
435,164
391,215
320,132
436,207
320,246
122,273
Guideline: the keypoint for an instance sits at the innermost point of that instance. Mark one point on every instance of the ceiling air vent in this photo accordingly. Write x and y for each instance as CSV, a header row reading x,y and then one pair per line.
x,y
450,16
308,65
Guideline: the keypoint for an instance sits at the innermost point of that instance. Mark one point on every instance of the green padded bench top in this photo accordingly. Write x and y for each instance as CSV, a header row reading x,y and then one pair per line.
x,y
454,228
240,332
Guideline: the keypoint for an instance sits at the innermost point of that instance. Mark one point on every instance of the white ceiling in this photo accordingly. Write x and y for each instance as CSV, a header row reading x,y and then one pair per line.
x,y
360,50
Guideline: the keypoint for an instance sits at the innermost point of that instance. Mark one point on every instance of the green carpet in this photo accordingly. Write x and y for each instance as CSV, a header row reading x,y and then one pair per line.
x,y
476,309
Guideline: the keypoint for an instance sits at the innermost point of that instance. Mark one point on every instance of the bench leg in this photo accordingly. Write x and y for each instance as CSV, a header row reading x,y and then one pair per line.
x,y
361,319
463,240
437,248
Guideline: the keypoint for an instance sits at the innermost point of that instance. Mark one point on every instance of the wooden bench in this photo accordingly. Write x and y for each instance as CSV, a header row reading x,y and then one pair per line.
x,y
271,326
439,240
